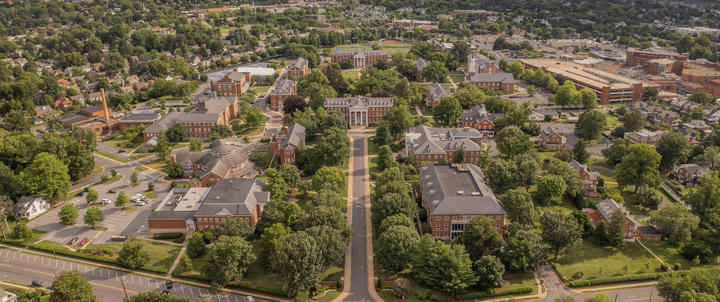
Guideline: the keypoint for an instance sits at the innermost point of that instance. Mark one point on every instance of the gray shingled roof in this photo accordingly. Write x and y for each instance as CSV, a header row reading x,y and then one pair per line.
x,y
283,87
233,197
438,91
477,113
220,159
25,202
421,63
298,63
458,189
501,77
426,140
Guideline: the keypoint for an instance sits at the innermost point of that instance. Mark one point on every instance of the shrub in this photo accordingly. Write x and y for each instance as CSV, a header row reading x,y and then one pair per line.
x,y
578,275
167,236
631,278
483,295
664,267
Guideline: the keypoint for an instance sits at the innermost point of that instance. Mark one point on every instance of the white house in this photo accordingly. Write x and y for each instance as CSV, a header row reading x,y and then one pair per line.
x,y
30,207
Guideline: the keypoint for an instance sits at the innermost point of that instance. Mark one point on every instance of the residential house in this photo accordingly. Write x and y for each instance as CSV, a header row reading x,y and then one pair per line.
x,y
420,64
195,209
42,111
30,207
433,145
554,137
233,83
62,103
689,173
282,90
441,46
358,110
478,117
435,92
453,194
298,68
645,136
221,161
633,229
285,143
590,178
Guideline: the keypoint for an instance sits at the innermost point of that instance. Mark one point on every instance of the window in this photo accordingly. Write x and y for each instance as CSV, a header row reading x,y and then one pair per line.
x,y
498,218
205,219
200,227
454,217
437,226
447,217
216,219
446,226
438,217
212,227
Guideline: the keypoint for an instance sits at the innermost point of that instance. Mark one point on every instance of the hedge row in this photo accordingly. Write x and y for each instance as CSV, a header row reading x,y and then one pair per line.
x,y
250,287
166,236
631,278
497,293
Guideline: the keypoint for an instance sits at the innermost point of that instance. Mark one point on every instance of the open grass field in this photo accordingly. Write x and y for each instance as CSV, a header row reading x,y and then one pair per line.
x,y
260,89
350,74
595,261
111,156
457,78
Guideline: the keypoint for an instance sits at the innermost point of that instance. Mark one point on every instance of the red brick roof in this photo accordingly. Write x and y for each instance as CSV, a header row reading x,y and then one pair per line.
x,y
595,217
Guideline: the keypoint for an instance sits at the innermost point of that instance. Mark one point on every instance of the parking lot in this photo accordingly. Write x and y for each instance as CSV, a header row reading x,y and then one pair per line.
x,y
117,221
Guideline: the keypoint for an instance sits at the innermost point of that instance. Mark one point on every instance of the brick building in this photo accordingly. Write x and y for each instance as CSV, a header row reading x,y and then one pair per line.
x,y
359,110
298,68
194,209
494,81
635,57
478,63
552,139
233,83
478,117
590,178
285,143
433,145
359,58
633,229
138,119
420,64
199,121
283,89
435,92
453,194
221,161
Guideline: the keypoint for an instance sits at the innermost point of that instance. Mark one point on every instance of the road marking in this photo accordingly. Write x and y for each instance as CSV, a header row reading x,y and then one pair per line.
x,y
39,272
113,287
638,299
3,264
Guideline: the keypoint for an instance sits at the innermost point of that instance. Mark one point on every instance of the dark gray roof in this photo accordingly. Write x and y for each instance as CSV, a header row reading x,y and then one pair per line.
x,y
501,77
233,197
140,118
649,230
476,62
421,63
283,87
25,202
438,91
298,63
220,159
478,113
458,189
426,140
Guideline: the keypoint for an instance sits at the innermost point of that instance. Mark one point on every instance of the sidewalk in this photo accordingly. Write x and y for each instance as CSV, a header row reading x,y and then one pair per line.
x,y
142,273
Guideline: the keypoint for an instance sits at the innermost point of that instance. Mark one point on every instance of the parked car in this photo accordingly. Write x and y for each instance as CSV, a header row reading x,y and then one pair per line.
x,y
168,284
105,201
83,242
72,241
111,191
87,189
37,283
79,194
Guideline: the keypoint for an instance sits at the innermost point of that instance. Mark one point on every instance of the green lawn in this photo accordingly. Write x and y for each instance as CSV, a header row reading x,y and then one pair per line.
x,y
512,281
457,78
11,224
596,261
161,255
350,74
259,89
671,254
111,156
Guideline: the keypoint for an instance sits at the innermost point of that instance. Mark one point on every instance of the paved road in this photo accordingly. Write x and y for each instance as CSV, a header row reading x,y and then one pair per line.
x,y
556,289
359,281
23,268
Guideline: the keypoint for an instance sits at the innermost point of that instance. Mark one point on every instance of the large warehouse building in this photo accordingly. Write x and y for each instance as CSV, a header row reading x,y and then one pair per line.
x,y
609,87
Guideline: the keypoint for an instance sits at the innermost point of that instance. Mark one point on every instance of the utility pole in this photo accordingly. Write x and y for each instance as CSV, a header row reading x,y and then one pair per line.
x,y
122,281
652,289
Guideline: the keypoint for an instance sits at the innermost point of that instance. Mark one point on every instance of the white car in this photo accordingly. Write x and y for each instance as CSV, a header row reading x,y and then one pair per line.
x,y
105,201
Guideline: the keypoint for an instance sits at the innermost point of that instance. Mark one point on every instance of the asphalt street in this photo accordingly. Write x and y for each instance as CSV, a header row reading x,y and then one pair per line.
x,y
107,285
556,289
359,290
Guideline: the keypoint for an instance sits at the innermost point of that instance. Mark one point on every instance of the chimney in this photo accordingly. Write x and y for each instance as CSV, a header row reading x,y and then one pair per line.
x,y
105,108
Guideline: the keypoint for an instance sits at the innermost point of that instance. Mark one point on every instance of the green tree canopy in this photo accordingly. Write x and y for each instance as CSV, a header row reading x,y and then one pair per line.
x,y
71,286
639,167
228,259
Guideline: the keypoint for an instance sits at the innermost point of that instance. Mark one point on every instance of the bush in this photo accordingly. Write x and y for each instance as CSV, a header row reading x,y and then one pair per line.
x,y
483,295
632,278
167,236
664,267
578,275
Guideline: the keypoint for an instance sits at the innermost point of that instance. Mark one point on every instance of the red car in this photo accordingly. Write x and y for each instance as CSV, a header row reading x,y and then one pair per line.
x,y
83,242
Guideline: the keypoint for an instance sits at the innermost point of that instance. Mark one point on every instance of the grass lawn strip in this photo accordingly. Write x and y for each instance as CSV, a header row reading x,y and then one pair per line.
x,y
111,156
595,261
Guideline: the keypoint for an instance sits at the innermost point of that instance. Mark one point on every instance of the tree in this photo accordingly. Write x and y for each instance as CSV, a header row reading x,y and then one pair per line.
x,y
401,288
519,206
220,131
489,271
650,94
701,98
47,176
290,174
293,103
512,141
332,242
567,94
228,259
177,133
175,170
133,255
639,167
435,72
634,120
460,155
673,149
676,222
297,259
122,200
322,215
591,124
92,196
287,213
93,216
481,237
196,245
501,175
560,231
390,204
531,90
550,187
195,145
270,238
399,120
162,148
382,134
441,266
330,178
68,214
691,286
134,178
526,167
469,96
710,157
447,112
394,247
523,251
385,158
185,264
614,154
615,232
579,152
21,231
71,286
649,197
395,220
233,227
588,98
